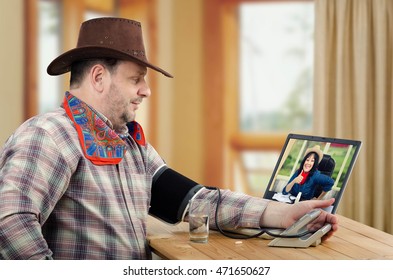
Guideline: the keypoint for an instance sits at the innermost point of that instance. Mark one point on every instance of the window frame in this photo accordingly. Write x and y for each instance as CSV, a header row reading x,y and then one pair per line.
x,y
226,140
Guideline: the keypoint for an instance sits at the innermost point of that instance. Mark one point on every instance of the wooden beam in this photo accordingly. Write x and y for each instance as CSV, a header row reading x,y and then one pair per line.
x,y
257,142
213,95
30,72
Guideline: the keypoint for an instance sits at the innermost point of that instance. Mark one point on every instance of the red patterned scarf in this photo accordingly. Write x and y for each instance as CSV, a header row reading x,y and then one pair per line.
x,y
100,144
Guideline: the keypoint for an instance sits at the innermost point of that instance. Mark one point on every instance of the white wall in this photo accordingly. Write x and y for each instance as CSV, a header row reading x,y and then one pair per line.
x,y
11,66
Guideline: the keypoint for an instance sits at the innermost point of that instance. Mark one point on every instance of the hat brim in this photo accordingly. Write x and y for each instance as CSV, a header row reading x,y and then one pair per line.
x,y
62,64
317,151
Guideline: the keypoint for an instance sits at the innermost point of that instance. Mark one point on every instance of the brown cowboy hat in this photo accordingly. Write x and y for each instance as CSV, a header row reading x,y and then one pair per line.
x,y
105,38
316,149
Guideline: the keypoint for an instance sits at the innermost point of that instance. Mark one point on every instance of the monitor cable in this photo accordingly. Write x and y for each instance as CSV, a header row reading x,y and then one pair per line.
x,y
238,235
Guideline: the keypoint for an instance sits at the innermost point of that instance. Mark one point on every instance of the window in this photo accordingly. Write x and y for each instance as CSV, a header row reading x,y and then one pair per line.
x,y
51,15
49,26
275,81
276,45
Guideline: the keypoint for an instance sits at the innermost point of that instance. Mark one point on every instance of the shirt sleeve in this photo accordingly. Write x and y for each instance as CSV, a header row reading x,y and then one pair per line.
x,y
236,210
154,160
33,176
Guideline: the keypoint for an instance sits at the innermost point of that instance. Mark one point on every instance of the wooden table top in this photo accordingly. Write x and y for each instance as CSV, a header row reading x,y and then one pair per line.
x,y
353,240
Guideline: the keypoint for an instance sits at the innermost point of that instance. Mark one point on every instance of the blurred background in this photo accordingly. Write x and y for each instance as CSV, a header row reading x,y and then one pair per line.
x,y
247,73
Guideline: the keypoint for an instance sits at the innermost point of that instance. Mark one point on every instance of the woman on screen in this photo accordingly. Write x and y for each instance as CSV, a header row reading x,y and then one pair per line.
x,y
306,179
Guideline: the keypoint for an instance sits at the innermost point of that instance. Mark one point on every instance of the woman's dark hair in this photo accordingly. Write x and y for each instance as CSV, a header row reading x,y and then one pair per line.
x,y
314,167
79,68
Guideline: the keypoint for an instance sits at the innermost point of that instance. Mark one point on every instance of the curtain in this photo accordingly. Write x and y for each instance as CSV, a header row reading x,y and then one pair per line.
x,y
353,99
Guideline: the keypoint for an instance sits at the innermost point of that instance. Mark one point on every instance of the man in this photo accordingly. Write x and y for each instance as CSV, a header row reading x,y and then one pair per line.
x,y
75,183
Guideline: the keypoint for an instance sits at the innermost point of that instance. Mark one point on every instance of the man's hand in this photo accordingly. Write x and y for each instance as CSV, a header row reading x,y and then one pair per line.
x,y
283,215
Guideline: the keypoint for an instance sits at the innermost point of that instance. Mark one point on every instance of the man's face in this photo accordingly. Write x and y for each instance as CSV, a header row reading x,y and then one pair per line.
x,y
126,91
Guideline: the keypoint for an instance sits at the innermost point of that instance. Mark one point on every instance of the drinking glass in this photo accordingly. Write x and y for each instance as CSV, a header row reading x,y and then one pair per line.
x,y
198,219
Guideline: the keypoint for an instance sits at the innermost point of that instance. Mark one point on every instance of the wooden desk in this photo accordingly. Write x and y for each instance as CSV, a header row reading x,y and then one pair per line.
x,y
353,240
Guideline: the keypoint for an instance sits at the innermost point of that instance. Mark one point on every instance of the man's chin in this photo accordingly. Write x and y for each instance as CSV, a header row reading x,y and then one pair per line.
x,y
128,118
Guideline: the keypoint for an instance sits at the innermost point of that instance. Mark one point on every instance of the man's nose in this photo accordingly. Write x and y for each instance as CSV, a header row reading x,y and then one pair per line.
x,y
144,91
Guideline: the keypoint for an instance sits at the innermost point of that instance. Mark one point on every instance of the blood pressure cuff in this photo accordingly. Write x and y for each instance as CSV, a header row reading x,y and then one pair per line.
x,y
170,194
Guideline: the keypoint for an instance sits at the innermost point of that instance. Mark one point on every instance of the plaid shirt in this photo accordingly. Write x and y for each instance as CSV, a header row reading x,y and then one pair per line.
x,y
57,204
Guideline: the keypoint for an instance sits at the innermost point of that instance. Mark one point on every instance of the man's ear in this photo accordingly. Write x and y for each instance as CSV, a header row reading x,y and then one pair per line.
x,y
97,75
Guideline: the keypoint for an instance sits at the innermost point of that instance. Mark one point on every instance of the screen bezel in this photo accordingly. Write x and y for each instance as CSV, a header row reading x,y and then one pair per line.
x,y
322,141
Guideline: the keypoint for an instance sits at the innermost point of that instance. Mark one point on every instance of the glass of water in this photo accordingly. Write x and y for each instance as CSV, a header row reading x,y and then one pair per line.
x,y
198,219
